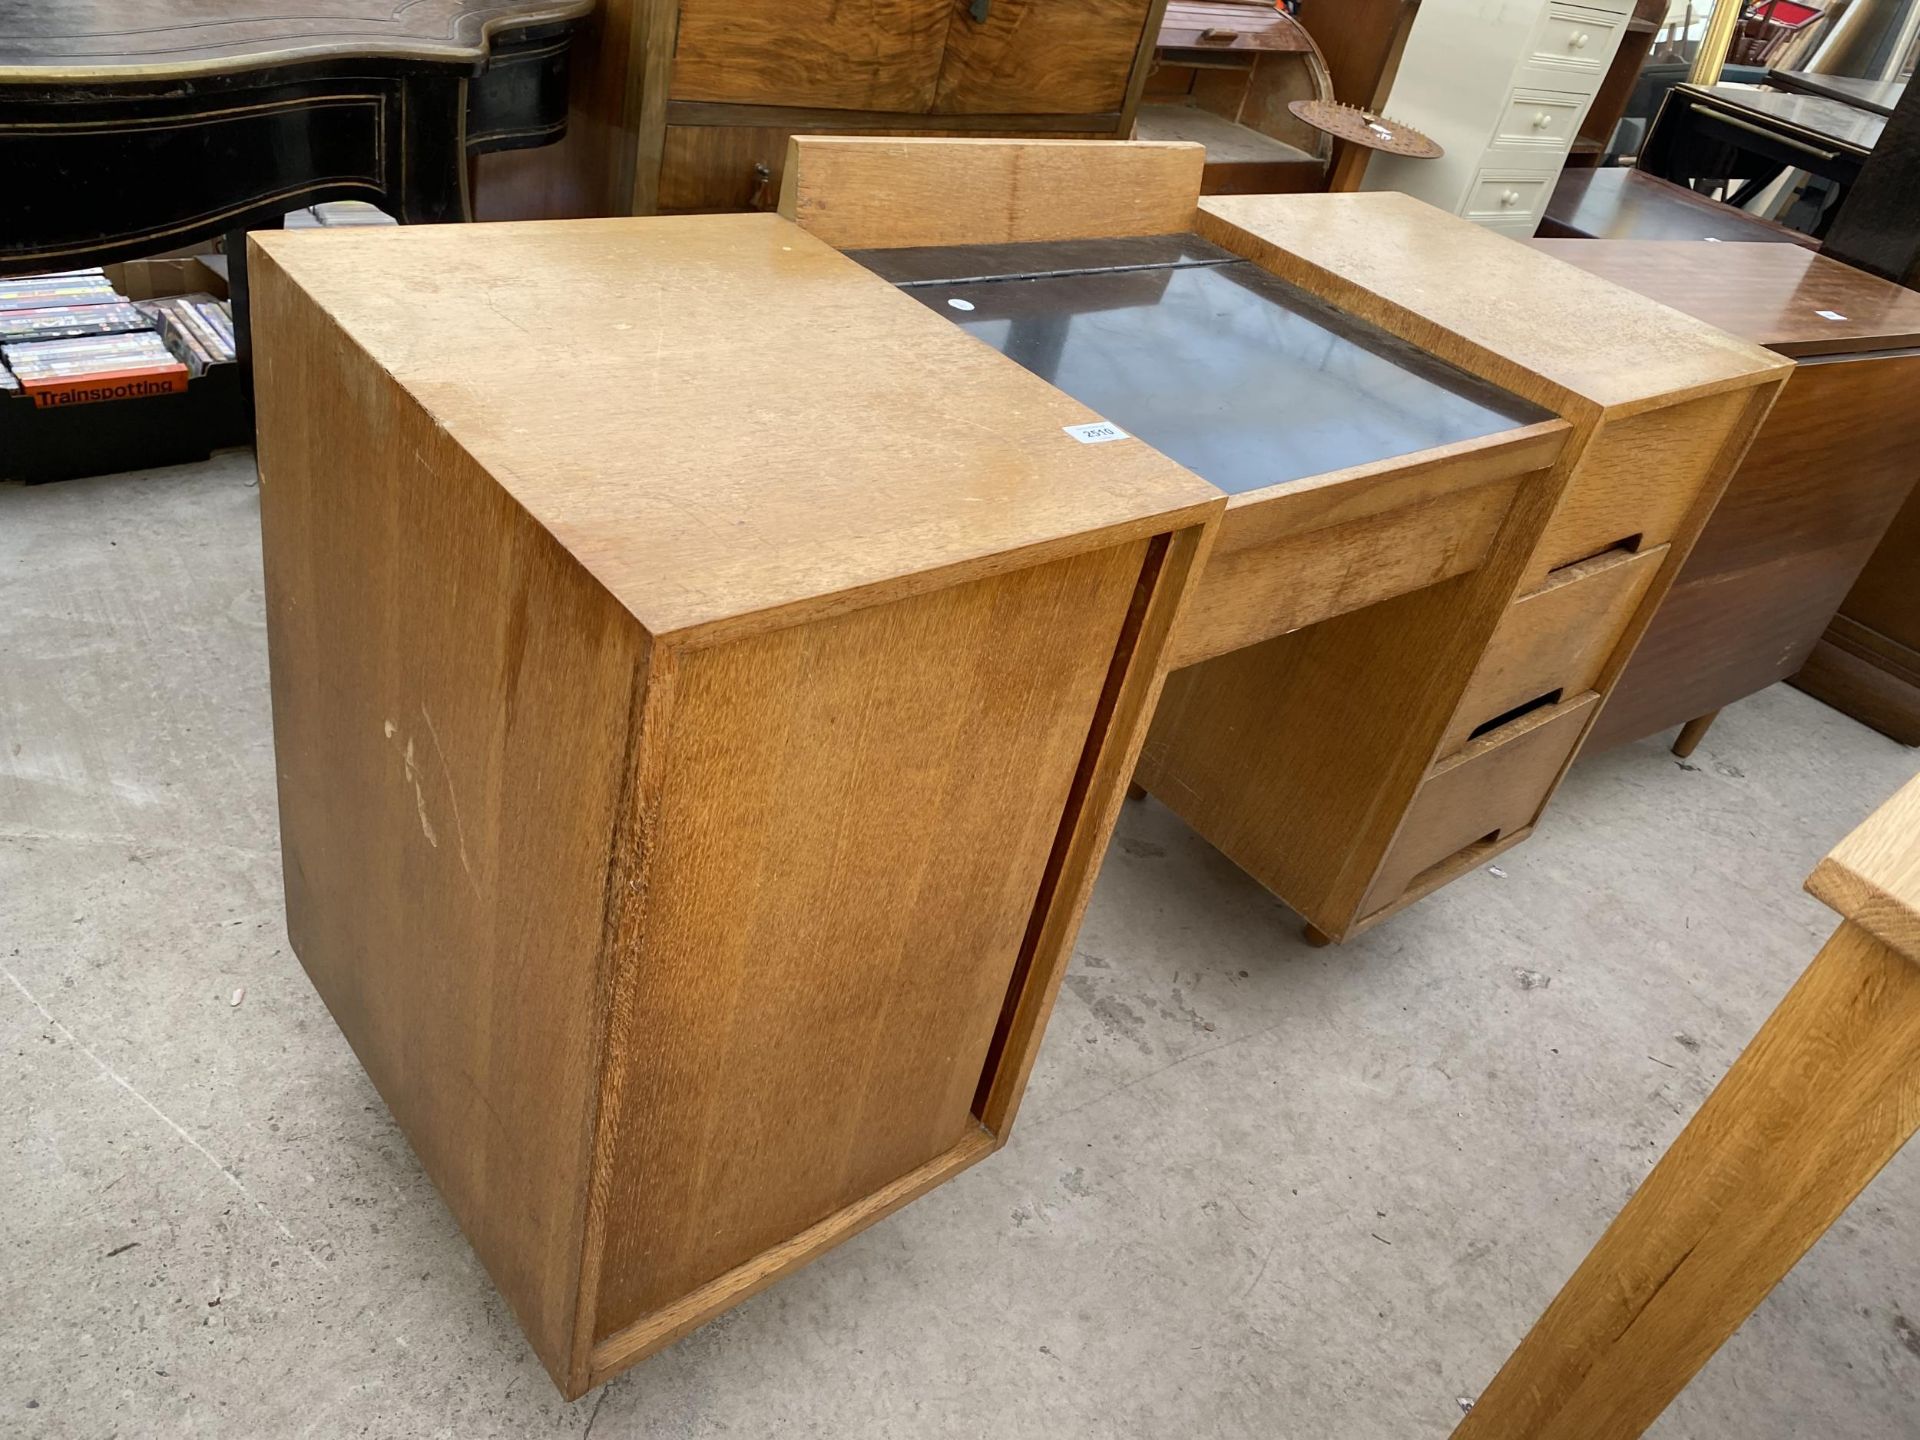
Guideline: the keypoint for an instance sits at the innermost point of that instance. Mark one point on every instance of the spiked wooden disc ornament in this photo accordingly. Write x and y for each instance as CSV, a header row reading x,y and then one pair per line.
x,y
1363,127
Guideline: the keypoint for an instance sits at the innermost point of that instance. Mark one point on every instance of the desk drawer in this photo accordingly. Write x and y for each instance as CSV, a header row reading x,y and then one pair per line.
x,y
1502,194
1576,40
1253,592
1492,788
1555,641
1539,120
1638,481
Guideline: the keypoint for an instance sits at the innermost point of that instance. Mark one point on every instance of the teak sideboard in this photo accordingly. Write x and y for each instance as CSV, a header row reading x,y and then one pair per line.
x,y
705,676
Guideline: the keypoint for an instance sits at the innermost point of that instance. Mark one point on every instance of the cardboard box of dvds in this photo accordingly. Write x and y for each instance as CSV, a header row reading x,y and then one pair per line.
x,y
132,427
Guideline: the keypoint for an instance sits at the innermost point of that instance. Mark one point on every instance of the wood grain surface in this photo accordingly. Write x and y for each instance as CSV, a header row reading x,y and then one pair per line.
x,y
1556,638
1618,204
867,194
1825,1095
1478,299
680,401
1872,878
443,848
1793,301
689,917
883,55
1481,793
1039,57
869,801
44,39
1829,471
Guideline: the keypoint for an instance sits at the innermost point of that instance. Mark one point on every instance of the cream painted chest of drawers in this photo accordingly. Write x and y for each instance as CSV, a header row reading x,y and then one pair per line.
x,y
1503,86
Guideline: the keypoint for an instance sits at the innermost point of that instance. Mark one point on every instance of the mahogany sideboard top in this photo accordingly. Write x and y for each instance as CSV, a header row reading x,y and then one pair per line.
x,y
1792,300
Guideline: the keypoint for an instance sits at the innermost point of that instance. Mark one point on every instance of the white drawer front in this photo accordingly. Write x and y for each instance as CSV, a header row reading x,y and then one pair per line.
x,y
1576,40
1539,119
1508,195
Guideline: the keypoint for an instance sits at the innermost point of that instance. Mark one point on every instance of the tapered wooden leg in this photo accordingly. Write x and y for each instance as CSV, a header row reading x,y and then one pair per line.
x,y
1693,732
1825,1095
1315,936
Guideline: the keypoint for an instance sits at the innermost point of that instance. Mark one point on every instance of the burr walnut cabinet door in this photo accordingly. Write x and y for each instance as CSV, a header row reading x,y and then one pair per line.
x,y
824,54
1040,57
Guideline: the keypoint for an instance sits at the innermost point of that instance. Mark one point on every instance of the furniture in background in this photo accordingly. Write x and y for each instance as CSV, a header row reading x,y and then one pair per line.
x,y
1878,227
1836,459
1504,88
1359,133
1224,73
687,105
1620,86
130,129
1878,97
1620,203
1768,27
1824,1096
1868,662
1733,134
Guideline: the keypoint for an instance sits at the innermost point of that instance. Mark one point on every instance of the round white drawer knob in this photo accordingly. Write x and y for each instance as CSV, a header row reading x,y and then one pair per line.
x,y
1580,41
1542,120
1509,197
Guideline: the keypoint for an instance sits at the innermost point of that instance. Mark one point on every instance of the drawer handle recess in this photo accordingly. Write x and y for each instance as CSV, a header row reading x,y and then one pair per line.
x,y
1507,717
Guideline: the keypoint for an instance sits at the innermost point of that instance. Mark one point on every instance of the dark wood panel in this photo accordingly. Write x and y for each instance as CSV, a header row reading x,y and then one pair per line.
x,y
1835,460
879,55
1622,204
1042,56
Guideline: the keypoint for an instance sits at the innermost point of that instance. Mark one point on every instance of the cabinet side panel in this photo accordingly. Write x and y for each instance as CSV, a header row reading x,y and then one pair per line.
x,y
451,698
1836,458
851,829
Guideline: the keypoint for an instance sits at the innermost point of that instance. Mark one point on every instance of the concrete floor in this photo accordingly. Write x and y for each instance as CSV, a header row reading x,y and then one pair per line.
x,y
1257,1189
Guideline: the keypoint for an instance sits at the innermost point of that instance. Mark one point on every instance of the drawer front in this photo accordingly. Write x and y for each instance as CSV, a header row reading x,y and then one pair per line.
x,y
1492,788
1539,120
1508,195
1638,481
811,52
1253,593
1554,642
1575,41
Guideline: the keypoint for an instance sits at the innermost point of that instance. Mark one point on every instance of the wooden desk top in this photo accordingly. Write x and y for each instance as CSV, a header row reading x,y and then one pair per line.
x,y
721,415
57,40
1790,300
1879,96
1617,203
1873,876
1506,311
1831,122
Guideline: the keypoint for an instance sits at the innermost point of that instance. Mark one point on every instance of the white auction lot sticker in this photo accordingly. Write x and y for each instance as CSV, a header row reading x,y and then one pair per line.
x,y
1097,433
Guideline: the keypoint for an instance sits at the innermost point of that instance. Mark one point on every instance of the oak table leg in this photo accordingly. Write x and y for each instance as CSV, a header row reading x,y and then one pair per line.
x,y
1693,732
1825,1095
